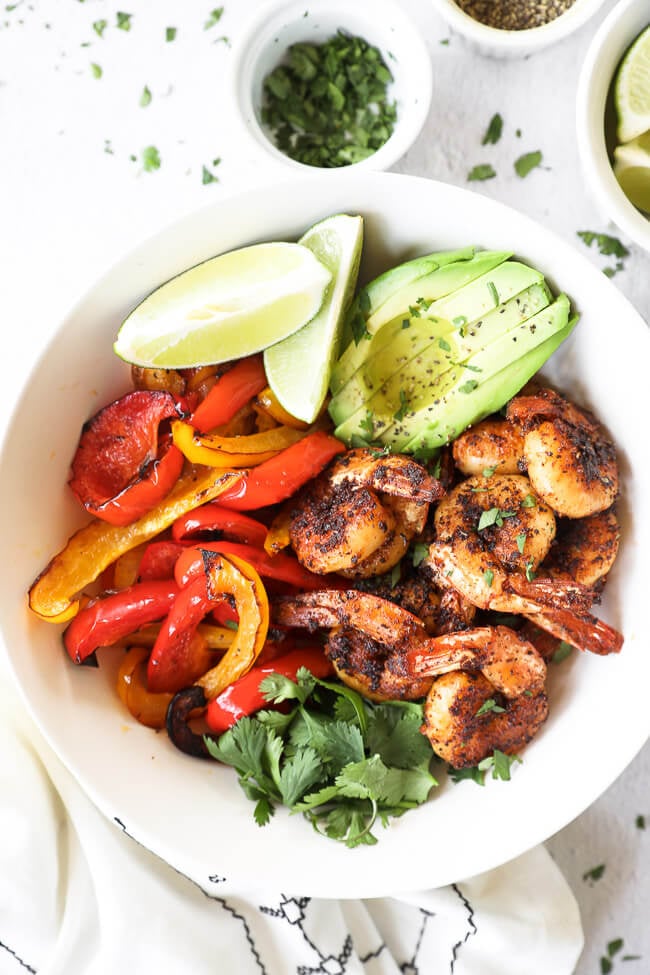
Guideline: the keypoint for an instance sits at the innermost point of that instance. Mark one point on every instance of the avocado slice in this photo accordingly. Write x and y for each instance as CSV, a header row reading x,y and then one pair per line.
x,y
482,385
429,286
436,346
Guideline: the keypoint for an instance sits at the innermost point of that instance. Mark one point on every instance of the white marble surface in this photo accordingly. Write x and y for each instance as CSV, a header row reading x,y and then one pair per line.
x,y
71,199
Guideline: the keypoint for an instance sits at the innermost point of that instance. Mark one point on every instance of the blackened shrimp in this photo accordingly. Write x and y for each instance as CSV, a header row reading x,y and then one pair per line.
x,y
494,444
585,549
569,456
491,536
359,516
488,693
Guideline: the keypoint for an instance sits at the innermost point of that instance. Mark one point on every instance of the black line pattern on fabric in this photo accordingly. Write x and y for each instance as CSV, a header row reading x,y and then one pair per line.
x,y
412,967
471,932
23,964
293,910
372,954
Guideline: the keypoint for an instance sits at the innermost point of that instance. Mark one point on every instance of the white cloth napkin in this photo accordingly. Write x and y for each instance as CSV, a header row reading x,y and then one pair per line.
x,y
78,896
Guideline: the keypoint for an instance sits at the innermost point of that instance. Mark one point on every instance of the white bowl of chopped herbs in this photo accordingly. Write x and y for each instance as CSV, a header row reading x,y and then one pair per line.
x,y
515,28
329,85
606,128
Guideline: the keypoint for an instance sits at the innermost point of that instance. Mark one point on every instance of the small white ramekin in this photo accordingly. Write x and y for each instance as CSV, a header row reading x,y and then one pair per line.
x,y
280,23
515,43
616,33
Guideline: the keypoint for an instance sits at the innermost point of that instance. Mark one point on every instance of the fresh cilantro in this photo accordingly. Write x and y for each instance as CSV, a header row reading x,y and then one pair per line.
x,y
124,20
490,706
145,97
500,763
459,321
444,345
493,131
614,947
99,26
563,651
609,272
170,34
493,516
521,542
406,323
469,386
481,172
96,70
395,575
214,18
472,772
605,965
595,873
403,407
488,576
445,41
639,822
530,572
493,291
529,501
207,176
609,246
518,133
526,163
419,553
368,424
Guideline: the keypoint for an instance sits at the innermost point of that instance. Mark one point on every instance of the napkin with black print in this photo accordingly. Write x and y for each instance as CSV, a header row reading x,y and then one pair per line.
x,y
79,896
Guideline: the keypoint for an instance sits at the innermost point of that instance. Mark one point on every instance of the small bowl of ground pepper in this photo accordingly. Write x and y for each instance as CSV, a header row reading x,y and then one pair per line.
x,y
515,28
329,84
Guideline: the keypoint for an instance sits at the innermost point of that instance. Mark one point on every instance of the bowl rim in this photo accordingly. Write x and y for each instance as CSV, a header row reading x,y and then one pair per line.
x,y
405,131
593,87
528,40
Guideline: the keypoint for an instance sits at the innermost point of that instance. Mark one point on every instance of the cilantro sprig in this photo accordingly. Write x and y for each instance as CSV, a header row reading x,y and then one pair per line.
x,y
344,762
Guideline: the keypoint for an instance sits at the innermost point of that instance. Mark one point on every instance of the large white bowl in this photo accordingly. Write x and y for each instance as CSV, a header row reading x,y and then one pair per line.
x,y
193,813
614,36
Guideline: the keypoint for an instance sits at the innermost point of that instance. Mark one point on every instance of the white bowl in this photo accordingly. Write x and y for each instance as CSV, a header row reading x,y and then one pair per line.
x,y
281,23
516,43
193,813
593,112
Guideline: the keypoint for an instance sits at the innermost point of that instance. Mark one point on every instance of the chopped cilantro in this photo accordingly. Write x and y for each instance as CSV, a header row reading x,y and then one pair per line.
x,y
488,576
231,625
614,947
490,705
170,34
214,18
605,965
145,97
493,131
150,159
459,321
500,763
368,424
445,41
493,516
529,501
419,553
595,873
530,573
488,471
521,542
207,176
481,172
96,70
406,323
403,407
395,575
609,246
640,822
124,20
527,162
444,345
100,26
563,651
472,772
493,291
469,386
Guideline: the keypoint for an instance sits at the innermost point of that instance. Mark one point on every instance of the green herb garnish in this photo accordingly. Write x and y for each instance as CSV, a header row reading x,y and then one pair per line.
x,y
527,162
488,471
493,131
99,27
444,345
490,706
341,760
170,34
488,577
469,386
150,159
595,873
481,172
207,176
609,246
639,822
368,424
96,70
493,516
145,97
492,288
419,553
500,763
124,20
214,18
529,501
327,104
563,651
403,406
521,542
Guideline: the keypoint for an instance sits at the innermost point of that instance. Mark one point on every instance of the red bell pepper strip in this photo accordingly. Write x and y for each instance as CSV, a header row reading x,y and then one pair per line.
x,y
213,518
230,392
177,658
279,478
284,568
158,560
120,470
244,697
110,618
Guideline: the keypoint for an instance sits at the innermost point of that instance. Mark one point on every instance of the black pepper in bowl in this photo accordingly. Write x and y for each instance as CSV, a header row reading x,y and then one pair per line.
x,y
327,104
514,14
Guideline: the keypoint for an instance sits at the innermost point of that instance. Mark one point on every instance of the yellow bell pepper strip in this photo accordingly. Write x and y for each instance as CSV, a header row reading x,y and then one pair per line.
x,y
243,451
216,637
267,402
147,708
53,595
279,534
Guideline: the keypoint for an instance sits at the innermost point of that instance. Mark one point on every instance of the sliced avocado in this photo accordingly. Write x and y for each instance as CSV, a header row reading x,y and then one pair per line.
x,y
444,279
376,385
483,384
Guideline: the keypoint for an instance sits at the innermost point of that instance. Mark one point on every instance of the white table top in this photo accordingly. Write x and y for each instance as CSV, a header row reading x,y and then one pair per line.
x,y
72,198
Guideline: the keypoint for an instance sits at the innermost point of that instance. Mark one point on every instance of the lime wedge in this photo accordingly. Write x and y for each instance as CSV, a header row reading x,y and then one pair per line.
x,y
298,368
225,308
632,170
632,90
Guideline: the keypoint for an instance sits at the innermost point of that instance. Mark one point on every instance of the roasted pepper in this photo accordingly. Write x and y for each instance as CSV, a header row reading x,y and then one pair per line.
x,y
213,518
230,392
242,451
281,567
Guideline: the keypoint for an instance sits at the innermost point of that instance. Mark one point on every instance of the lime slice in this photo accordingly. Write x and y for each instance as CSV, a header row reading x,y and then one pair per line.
x,y
225,308
632,90
632,169
298,369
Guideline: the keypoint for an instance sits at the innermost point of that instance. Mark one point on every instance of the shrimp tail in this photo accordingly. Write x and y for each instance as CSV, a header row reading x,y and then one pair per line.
x,y
557,593
583,631
393,474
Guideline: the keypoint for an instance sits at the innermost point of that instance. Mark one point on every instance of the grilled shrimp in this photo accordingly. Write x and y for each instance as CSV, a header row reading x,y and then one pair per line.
x,y
368,639
569,457
491,536
359,516
493,443
585,549
488,692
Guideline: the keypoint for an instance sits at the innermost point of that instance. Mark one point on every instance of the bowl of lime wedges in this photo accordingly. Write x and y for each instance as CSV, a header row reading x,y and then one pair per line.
x,y
613,119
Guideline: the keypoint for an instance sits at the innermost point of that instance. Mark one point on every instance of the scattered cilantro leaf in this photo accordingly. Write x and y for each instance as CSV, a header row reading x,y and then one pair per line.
x,y
493,131
207,176
145,97
529,501
493,516
368,424
170,34
469,386
150,159
488,576
595,873
419,553
444,345
614,947
214,18
99,26
605,965
481,172
563,651
500,763
96,70
490,705
124,20
403,409
488,471
521,542
607,245
526,163
639,822
472,772
493,291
